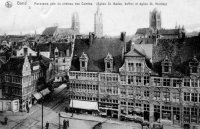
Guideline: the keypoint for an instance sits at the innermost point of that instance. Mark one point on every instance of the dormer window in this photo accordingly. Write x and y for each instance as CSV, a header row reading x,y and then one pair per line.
x,y
108,63
166,66
56,52
194,65
166,69
83,62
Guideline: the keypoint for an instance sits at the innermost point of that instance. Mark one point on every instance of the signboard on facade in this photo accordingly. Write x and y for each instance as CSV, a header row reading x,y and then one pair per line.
x,y
36,67
9,105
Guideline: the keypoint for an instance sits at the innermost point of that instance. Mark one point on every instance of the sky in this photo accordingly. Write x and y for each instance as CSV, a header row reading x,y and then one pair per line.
x,y
23,19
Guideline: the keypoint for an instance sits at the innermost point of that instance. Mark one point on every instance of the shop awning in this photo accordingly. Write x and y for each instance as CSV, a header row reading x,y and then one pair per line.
x,y
138,110
87,105
37,95
45,91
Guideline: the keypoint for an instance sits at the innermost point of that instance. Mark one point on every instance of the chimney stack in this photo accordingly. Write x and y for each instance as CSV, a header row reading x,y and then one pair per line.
x,y
91,38
123,39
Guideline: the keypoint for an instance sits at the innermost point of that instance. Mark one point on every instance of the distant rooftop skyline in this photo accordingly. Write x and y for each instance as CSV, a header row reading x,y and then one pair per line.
x,y
20,19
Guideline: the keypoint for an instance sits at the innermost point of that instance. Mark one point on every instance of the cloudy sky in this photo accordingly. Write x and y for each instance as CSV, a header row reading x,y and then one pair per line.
x,y
116,18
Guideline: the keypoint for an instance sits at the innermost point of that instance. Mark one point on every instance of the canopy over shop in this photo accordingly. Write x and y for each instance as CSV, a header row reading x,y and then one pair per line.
x,y
84,106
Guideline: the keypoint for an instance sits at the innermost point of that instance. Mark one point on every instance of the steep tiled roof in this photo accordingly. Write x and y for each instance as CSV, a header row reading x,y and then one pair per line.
x,y
134,53
169,31
143,31
66,31
145,49
15,64
49,31
45,47
96,53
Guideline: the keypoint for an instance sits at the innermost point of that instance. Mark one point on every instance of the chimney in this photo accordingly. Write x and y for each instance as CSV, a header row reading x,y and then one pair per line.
x,y
123,39
91,38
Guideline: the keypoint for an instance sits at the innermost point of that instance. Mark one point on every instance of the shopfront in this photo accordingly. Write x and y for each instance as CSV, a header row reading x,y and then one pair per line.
x,y
79,106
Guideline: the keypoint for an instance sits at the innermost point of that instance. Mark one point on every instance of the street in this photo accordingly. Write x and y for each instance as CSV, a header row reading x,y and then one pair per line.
x,y
52,106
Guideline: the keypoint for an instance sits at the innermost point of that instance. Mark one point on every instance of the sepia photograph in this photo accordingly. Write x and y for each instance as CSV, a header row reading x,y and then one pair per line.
x,y
100,64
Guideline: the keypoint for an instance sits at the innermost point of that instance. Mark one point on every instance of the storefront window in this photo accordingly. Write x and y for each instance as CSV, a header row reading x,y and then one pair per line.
x,y
123,110
156,112
166,112
176,113
186,115
193,115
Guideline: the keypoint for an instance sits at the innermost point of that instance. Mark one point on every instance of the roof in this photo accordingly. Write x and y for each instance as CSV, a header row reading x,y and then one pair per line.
x,y
179,51
97,52
15,64
134,53
88,105
49,31
168,32
145,49
47,47
66,31
144,41
143,31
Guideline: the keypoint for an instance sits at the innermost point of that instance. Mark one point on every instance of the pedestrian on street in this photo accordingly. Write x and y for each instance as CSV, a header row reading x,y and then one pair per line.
x,y
5,120
47,125
27,109
67,123
64,124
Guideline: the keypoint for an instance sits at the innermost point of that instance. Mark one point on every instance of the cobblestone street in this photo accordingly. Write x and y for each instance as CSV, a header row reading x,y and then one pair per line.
x,y
55,104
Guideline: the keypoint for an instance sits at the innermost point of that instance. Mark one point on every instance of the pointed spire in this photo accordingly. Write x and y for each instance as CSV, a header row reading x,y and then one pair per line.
x,y
132,45
176,26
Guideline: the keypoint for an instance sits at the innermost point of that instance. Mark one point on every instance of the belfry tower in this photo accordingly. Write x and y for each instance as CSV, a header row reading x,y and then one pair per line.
x,y
75,22
155,20
98,23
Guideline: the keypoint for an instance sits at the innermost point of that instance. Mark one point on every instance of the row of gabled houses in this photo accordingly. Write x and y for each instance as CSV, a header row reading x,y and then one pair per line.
x,y
29,72
156,81
155,78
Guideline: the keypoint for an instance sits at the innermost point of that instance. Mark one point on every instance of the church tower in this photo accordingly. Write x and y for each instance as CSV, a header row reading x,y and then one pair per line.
x,y
75,22
155,20
98,25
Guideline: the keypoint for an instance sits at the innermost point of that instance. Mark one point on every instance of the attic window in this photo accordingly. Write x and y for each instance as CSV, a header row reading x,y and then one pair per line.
x,y
108,65
166,68
56,53
194,69
25,51
83,63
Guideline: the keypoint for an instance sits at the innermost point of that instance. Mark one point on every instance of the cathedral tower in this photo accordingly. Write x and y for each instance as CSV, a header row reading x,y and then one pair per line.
x,y
98,25
75,22
155,20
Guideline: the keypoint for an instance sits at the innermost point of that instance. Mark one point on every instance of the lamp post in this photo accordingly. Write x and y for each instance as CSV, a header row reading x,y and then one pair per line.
x,y
42,108
59,119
